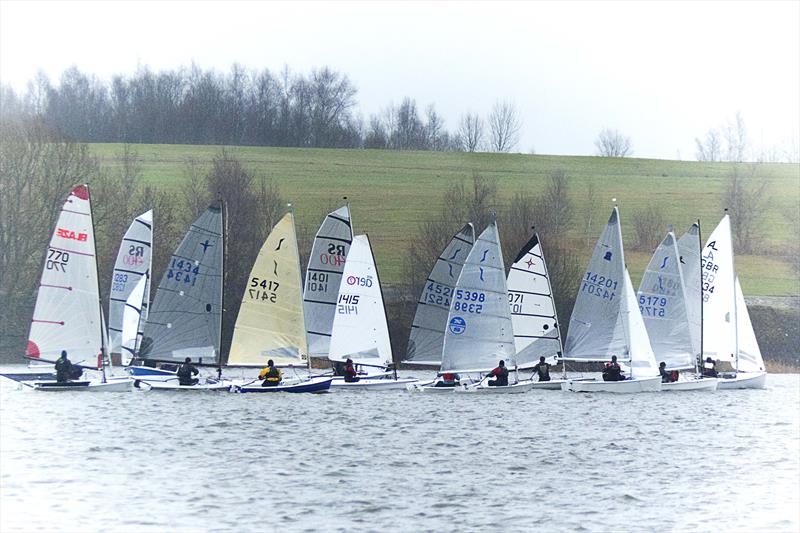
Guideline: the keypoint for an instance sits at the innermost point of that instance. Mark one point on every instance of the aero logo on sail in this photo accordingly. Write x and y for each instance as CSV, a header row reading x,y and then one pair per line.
x,y
69,234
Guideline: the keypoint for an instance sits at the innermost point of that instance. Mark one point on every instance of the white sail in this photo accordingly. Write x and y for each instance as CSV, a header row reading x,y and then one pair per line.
x,y
270,323
186,317
663,305
533,311
479,329
67,312
689,249
360,331
750,359
132,321
596,327
134,261
638,351
719,320
323,277
430,320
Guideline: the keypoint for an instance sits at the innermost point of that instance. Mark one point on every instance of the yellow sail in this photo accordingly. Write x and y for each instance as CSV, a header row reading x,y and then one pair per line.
x,y
270,324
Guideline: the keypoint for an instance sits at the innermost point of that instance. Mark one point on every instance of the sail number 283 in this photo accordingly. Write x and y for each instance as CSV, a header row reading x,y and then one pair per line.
x,y
599,286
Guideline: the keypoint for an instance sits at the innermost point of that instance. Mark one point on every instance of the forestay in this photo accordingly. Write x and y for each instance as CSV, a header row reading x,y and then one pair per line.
x,y
533,311
750,359
132,321
323,277
186,317
719,322
430,320
479,329
360,330
134,262
596,327
270,323
689,250
662,302
67,314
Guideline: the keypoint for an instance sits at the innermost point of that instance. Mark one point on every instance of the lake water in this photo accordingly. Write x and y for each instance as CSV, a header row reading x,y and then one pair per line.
x,y
396,461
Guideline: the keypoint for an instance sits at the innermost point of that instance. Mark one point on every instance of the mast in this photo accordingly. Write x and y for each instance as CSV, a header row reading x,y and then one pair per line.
x,y
698,359
222,284
103,346
555,311
300,274
383,301
735,310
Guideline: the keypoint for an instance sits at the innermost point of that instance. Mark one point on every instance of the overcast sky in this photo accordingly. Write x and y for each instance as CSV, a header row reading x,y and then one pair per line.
x,y
660,73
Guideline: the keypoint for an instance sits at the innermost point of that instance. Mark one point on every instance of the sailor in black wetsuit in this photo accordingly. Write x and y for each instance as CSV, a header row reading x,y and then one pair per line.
x,y
500,374
186,373
63,368
543,369
613,372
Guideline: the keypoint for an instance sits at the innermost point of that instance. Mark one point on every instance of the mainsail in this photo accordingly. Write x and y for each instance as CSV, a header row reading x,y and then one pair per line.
x,y
750,359
67,314
596,327
689,249
479,329
719,320
639,352
186,317
360,330
270,322
134,262
663,304
533,310
323,276
430,320
133,321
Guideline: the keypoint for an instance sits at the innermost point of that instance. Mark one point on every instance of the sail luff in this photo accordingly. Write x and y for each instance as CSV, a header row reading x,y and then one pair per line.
x,y
719,326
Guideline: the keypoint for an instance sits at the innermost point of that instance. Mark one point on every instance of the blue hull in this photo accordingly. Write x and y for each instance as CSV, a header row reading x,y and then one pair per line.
x,y
316,385
140,371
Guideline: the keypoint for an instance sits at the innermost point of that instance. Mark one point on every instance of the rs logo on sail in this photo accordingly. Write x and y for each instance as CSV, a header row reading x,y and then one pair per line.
x,y
69,234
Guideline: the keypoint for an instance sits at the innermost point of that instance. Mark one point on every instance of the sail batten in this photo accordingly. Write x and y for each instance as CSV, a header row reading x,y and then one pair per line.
x,y
426,340
323,277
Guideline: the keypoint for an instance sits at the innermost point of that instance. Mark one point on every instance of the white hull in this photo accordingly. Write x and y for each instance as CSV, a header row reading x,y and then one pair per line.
x,y
621,387
750,380
427,387
159,385
553,384
117,385
515,388
373,384
691,384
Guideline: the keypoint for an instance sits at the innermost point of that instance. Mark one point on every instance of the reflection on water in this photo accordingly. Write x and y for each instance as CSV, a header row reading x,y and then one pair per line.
x,y
395,461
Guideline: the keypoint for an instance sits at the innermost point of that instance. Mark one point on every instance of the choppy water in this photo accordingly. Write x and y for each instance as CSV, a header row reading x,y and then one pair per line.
x,y
395,461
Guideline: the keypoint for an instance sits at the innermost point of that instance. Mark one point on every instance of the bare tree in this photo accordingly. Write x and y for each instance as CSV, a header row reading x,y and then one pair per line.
x,y
471,132
504,126
611,143
648,225
588,210
736,139
745,197
710,148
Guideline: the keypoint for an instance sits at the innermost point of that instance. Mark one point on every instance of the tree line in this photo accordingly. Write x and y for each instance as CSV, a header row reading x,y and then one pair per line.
x,y
245,108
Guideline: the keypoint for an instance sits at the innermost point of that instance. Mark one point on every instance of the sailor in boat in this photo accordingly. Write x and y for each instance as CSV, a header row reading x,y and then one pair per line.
x,y
186,373
449,379
271,375
500,374
350,374
613,372
543,369
667,376
710,368
65,370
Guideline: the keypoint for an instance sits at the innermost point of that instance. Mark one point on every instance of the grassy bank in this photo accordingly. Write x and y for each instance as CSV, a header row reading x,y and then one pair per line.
x,y
391,192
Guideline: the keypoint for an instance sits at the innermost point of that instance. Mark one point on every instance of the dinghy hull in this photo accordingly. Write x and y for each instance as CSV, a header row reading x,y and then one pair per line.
x,y
160,385
117,385
516,388
313,385
620,387
749,380
691,384
373,384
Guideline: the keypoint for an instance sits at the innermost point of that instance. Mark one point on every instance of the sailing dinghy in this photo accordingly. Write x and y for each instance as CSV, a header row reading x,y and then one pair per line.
x,y
727,331
533,311
606,320
270,323
360,329
479,327
134,263
186,317
68,313
664,304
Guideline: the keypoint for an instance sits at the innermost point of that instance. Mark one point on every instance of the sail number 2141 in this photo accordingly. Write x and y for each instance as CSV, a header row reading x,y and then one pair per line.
x,y
599,286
